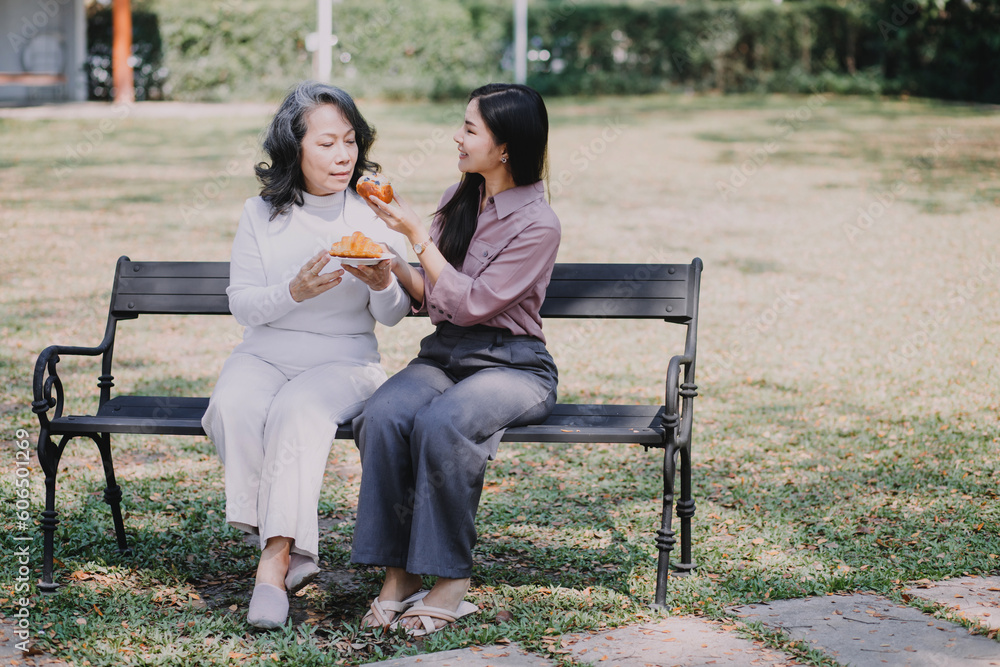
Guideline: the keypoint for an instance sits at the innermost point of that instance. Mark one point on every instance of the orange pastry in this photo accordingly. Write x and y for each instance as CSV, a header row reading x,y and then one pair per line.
x,y
356,245
375,184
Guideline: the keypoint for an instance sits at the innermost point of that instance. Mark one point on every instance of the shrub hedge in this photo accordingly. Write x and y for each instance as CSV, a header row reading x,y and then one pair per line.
x,y
249,49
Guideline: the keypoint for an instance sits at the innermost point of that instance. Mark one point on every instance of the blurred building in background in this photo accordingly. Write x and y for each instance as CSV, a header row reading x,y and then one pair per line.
x,y
43,52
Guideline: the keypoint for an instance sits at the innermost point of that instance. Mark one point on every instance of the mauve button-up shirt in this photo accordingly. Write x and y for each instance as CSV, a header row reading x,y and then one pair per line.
x,y
506,269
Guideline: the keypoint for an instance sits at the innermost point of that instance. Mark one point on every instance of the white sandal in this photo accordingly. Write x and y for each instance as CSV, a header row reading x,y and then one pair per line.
x,y
383,613
426,615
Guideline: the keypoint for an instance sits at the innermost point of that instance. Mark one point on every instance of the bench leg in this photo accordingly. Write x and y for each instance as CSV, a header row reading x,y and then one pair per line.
x,y
48,457
665,536
685,510
112,493
665,539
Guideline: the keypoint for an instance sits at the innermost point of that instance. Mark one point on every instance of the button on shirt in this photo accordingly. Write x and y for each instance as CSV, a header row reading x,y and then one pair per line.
x,y
507,268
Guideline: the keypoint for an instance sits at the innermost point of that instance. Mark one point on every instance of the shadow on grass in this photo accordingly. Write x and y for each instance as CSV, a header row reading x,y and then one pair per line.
x,y
791,502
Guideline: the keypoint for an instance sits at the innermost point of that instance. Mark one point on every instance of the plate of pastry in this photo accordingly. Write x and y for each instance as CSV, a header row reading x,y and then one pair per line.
x,y
358,250
362,261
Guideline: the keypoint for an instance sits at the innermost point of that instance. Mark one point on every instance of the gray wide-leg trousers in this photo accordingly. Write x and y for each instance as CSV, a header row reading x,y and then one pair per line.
x,y
425,437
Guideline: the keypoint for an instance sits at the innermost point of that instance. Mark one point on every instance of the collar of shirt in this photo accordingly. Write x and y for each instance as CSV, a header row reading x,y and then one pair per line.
x,y
516,198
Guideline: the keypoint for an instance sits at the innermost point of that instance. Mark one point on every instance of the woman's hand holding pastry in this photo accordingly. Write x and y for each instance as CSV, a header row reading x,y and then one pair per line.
x,y
376,276
308,282
401,218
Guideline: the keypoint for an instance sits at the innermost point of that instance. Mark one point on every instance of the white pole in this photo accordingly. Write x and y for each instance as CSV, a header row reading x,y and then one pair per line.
x,y
324,50
520,41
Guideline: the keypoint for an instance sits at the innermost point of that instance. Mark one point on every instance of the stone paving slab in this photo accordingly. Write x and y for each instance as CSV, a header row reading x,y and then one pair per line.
x,y
485,656
865,630
684,640
11,654
975,598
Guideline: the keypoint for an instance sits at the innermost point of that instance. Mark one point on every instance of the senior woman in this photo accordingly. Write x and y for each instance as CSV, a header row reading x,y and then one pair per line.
x,y
309,358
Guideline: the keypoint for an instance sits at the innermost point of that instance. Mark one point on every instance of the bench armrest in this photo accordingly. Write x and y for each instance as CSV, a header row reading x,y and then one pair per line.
x,y
678,415
46,383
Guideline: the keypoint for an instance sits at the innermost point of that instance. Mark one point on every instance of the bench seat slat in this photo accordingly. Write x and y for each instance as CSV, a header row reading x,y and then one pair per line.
x,y
569,422
84,424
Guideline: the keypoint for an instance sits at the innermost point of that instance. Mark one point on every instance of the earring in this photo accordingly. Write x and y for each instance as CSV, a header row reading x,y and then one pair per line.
x,y
504,159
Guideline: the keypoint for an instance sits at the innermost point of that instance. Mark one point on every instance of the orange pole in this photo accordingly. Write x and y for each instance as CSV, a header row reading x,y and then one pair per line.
x,y
121,51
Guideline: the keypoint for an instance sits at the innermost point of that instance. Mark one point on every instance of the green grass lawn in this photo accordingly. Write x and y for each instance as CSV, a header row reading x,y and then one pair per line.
x,y
846,432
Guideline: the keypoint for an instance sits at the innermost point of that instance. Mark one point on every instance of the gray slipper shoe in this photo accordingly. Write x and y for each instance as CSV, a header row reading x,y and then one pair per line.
x,y
268,607
301,571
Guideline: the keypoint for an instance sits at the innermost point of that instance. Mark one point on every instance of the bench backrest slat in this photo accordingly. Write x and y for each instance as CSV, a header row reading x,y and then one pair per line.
x,y
170,288
620,291
615,291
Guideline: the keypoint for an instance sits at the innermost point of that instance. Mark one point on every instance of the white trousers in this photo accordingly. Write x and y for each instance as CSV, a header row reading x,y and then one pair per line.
x,y
273,429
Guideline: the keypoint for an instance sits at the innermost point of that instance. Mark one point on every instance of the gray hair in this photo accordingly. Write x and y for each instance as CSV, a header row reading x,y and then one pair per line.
x,y
282,181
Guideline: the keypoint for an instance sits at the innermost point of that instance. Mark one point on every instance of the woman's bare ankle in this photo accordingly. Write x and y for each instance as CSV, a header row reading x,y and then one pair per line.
x,y
273,565
399,584
446,594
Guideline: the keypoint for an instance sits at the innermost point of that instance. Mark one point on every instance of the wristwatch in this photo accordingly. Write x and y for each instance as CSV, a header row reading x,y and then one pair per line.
x,y
420,247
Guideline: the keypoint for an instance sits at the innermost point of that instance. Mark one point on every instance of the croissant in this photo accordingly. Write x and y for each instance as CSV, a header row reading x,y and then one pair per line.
x,y
356,245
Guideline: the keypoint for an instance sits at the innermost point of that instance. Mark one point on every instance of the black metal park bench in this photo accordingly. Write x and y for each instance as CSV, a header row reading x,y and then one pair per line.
x,y
666,292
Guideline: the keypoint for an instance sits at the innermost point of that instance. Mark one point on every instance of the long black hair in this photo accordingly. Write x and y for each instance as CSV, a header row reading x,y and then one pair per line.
x,y
515,115
282,181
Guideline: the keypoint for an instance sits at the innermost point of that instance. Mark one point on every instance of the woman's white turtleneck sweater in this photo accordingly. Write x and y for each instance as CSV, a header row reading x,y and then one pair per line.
x,y
336,326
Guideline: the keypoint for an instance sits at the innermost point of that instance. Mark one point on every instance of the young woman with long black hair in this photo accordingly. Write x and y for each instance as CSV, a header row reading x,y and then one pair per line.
x,y
425,436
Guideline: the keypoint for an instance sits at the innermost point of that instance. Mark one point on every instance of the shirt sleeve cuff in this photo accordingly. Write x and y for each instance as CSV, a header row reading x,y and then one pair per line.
x,y
282,299
450,291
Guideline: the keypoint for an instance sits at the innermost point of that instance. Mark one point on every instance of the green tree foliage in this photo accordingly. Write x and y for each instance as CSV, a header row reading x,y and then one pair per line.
x,y
253,49
941,48
235,49
247,49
